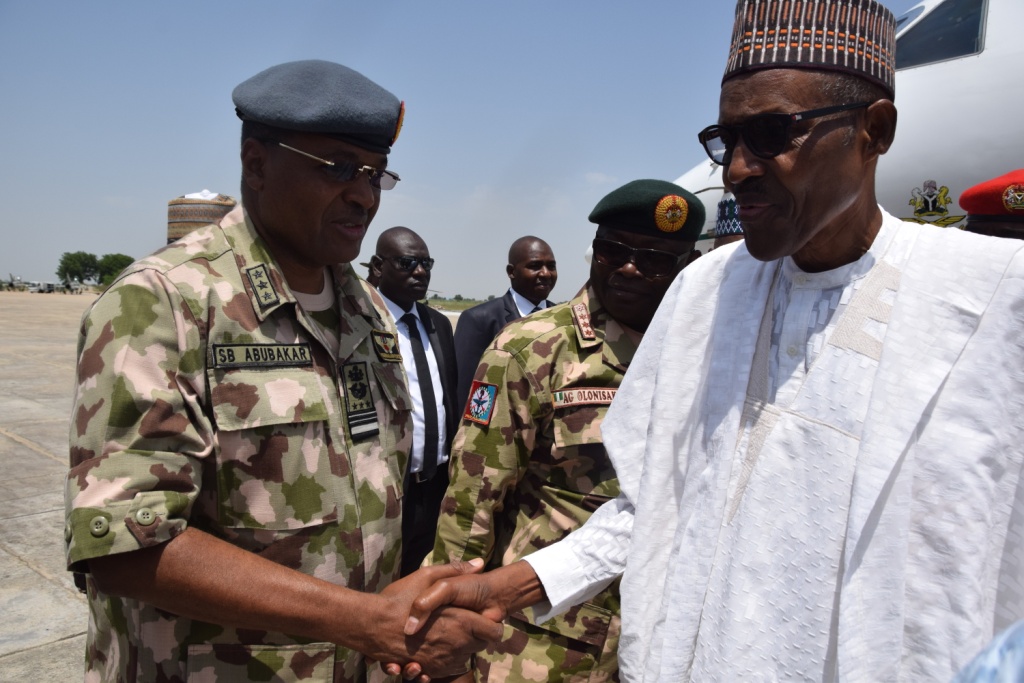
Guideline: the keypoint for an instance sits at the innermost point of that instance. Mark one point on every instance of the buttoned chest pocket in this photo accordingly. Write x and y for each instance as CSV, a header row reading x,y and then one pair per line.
x,y
395,410
274,470
580,462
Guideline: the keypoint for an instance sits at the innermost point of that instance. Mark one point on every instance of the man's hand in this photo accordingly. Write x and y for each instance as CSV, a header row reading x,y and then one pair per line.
x,y
446,637
492,595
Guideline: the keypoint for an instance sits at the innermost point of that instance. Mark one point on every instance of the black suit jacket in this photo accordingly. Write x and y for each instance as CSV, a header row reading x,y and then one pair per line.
x,y
477,328
422,500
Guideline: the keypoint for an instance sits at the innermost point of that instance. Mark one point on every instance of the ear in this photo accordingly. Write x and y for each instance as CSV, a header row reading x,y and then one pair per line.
x,y
694,255
375,264
254,159
880,127
509,270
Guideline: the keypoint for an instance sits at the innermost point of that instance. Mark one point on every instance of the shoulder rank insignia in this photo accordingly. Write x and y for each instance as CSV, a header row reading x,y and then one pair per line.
x,y
362,417
582,317
583,396
386,346
480,406
262,286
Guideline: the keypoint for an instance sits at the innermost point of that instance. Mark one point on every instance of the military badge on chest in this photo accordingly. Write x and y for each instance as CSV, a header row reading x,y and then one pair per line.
x,y
362,417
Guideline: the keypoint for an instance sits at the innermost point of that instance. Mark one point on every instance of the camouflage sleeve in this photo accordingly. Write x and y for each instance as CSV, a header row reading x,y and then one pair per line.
x,y
487,462
139,428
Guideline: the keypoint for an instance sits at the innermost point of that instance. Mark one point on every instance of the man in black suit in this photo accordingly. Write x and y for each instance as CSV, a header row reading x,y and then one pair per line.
x,y
533,273
402,267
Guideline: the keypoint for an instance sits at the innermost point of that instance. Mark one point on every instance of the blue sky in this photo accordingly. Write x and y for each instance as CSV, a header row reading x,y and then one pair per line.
x,y
520,116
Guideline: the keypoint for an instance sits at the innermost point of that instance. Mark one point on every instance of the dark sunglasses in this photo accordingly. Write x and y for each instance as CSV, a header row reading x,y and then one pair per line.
x,y
344,171
407,264
765,135
650,262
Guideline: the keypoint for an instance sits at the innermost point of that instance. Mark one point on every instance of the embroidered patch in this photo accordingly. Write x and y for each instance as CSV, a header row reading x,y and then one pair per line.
x,y
259,278
480,406
227,356
670,213
362,418
582,316
386,346
583,396
1013,198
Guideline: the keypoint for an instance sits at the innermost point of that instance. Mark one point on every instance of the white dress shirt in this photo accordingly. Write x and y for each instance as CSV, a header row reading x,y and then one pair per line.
x,y
405,346
524,305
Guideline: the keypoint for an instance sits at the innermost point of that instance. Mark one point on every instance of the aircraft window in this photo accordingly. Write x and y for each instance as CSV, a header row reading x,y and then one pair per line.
x,y
953,29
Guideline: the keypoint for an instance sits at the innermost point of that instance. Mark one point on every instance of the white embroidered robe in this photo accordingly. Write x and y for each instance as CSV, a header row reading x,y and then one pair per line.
x,y
868,528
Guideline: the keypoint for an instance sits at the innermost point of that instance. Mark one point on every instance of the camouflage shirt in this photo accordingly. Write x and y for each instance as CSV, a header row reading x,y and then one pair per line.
x,y
207,397
528,466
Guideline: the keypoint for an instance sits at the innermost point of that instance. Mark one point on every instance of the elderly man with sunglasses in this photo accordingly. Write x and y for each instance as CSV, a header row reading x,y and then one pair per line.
x,y
242,423
529,464
819,443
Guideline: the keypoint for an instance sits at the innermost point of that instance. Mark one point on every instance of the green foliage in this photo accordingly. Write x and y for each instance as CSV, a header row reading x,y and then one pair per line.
x,y
457,297
111,265
78,265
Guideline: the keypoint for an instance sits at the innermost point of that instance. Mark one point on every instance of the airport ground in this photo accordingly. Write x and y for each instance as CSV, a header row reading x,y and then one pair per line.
x,y
42,615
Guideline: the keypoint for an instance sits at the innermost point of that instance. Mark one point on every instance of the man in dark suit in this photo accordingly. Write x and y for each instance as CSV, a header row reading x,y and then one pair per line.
x,y
402,267
532,271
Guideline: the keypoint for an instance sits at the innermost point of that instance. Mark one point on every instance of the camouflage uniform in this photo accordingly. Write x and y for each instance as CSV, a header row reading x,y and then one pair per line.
x,y
206,397
528,467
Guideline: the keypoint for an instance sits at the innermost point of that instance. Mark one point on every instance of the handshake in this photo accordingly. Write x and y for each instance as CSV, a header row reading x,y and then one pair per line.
x,y
437,617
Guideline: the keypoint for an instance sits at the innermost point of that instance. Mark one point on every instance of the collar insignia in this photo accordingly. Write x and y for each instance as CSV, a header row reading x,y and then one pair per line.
x,y
582,317
262,286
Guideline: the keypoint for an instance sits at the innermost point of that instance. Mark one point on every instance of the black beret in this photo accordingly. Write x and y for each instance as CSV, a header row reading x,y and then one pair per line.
x,y
314,96
652,207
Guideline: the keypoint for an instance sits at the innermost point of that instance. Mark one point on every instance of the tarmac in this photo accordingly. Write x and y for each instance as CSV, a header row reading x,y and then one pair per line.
x,y
42,615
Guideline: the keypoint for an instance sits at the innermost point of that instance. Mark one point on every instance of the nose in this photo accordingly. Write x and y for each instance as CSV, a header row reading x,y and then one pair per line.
x,y
629,269
358,191
739,165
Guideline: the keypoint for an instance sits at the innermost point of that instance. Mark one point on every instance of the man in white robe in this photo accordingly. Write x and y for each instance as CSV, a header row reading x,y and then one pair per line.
x,y
820,440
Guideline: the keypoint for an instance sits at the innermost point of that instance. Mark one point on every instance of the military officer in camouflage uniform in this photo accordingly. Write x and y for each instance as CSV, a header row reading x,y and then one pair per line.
x,y
528,465
242,422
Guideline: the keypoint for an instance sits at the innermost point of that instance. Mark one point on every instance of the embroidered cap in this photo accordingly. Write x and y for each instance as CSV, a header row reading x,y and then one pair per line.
x,y
651,207
853,36
1002,196
315,96
728,220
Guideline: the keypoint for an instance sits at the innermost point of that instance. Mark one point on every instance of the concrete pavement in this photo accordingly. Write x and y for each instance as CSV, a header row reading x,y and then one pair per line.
x,y
42,615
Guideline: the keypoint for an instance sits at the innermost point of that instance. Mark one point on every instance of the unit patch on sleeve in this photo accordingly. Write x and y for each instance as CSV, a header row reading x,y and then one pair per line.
x,y
583,396
259,278
229,356
480,406
386,346
362,417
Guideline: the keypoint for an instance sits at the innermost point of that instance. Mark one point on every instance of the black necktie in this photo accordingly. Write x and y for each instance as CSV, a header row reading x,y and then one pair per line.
x,y
535,309
427,392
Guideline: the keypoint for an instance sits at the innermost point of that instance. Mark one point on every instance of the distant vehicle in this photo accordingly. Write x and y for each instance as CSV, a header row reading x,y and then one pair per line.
x,y
42,287
959,111
33,286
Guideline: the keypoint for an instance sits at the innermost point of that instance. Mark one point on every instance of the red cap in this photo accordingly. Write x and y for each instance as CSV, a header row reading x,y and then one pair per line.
x,y
1002,196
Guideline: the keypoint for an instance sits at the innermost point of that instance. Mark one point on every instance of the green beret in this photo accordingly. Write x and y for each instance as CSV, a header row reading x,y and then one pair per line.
x,y
314,96
652,207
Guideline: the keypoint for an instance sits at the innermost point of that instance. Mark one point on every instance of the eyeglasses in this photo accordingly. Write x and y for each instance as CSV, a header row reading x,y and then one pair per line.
x,y
344,171
766,135
407,264
650,262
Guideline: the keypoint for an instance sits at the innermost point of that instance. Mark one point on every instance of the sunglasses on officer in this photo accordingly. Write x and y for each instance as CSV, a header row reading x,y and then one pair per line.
x,y
407,264
344,171
765,135
650,262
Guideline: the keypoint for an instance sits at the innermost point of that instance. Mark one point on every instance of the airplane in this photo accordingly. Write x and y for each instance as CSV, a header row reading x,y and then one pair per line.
x,y
959,107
